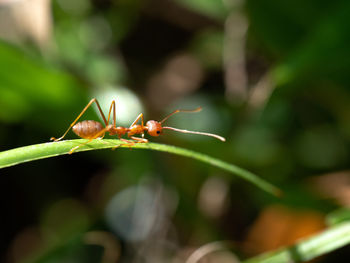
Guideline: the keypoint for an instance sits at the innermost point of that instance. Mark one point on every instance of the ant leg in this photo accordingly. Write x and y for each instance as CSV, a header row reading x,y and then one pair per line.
x,y
81,113
128,143
139,140
112,107
142,122
137,119
132,142
97,135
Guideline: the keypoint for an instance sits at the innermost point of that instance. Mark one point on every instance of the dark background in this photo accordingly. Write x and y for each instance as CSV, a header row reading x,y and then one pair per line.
x,y
271,76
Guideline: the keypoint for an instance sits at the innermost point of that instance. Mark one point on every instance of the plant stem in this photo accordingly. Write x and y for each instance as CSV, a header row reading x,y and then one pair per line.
x,y
307,249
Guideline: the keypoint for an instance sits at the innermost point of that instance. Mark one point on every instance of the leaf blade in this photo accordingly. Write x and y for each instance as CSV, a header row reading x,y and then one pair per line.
x,y
51,149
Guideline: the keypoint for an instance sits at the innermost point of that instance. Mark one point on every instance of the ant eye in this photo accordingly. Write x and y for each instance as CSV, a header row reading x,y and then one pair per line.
x,y
158,132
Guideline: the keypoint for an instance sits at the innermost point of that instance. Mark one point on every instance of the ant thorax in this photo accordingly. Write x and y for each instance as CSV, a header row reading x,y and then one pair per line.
x,y
120,131
136,129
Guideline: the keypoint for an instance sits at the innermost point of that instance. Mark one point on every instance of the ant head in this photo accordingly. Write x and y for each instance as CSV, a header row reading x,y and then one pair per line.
x,y
154,128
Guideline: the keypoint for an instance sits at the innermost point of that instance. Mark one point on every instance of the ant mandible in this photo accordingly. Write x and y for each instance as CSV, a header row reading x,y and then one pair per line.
x,y
91,130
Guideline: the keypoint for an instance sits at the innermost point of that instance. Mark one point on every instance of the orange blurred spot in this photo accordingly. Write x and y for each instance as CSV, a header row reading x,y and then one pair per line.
x,y
281,226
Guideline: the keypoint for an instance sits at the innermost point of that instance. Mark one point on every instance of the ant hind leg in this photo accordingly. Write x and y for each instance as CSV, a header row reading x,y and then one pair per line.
x,y
81,113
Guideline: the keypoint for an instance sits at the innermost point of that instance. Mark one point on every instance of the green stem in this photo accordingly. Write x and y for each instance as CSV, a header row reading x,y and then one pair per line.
x,y
307,249
50,149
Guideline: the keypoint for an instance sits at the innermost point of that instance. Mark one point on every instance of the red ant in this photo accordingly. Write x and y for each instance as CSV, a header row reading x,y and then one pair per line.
x,y
93,129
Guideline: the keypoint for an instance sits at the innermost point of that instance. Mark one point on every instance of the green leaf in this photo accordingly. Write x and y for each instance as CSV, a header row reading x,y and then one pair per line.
x,y
307,249
45,150
29,86
283,25
309,38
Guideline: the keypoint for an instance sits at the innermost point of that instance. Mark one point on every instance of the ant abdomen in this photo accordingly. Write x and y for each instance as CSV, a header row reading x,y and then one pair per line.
x,y
87,129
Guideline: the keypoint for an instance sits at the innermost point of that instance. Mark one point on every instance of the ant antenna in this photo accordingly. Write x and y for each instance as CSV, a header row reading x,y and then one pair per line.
x,y
186,131
196,132
177,111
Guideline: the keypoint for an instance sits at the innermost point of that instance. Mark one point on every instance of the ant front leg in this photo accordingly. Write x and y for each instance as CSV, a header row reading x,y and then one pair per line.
x,y
127,143
132,142
139,140
142,122
79,116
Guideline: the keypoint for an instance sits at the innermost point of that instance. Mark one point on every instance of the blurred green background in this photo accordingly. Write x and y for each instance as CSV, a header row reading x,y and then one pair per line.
x,y
272,77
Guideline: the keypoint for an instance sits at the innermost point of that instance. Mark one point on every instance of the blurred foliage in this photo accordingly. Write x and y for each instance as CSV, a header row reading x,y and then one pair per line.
x,y
292,127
